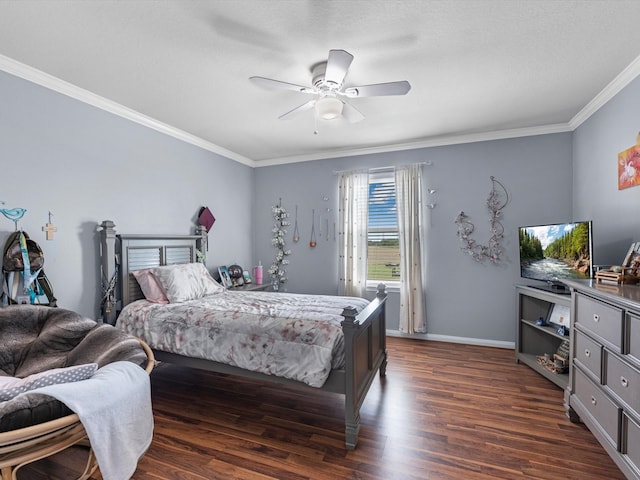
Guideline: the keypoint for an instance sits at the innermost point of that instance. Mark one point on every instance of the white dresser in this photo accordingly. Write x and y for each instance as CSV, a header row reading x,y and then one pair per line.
x,y
604,376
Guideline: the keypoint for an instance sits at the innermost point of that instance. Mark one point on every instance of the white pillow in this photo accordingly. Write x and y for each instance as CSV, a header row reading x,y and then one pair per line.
x,y
11,386
186,281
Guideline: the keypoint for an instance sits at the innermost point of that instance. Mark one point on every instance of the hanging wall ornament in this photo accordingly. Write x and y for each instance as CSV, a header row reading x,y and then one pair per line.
x,y
296,234
49,228
497,200
326,224
13,214
312,242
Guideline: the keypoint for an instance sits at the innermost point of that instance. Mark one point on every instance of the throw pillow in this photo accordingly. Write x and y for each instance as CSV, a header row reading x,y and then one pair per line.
x,y
186,281
11,387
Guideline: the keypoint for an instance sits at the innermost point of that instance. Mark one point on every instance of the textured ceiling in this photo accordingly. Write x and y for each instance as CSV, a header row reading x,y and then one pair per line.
x,y
478,68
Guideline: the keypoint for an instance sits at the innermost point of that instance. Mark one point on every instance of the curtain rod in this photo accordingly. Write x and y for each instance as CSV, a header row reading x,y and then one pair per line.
x,y
338,172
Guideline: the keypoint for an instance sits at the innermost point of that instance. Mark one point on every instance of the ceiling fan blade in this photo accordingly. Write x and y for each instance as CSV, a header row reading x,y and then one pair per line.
x,y
337,65
279,85
378,89
302,108
351,113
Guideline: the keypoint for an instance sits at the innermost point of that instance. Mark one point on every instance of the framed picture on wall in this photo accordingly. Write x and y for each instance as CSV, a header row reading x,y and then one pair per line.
x,y
628,167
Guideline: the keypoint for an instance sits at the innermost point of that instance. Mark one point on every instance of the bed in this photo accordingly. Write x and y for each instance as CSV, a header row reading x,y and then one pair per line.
x,y
362,325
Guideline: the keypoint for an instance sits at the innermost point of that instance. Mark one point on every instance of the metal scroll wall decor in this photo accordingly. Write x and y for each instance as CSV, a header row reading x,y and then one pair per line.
x,y
497,200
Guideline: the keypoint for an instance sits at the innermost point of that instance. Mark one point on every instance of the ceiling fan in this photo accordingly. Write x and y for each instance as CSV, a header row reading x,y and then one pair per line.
x,y
330,94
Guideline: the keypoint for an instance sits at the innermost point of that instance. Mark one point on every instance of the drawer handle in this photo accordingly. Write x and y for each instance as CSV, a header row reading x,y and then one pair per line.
x,y
596,317
587,352
593,400
624,382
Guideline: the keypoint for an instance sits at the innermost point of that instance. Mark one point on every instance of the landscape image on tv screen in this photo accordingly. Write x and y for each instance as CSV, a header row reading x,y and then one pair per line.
x,y
554,252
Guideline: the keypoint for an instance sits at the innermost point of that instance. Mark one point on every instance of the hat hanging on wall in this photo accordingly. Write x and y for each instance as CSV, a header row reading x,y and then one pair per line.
x,y
206,218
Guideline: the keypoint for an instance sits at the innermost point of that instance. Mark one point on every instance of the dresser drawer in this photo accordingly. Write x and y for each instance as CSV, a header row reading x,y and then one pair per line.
x,y
601,319
633,337
631,441
605,413
623,380
588,353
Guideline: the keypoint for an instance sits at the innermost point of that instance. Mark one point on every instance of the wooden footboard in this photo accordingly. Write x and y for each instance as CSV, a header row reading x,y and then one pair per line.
x,y
365,354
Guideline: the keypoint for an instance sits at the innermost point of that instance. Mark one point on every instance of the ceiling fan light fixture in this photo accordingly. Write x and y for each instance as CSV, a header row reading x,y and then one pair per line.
x,y
328,89
329,108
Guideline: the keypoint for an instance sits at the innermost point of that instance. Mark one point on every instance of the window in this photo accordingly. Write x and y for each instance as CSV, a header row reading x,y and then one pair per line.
x,y
383,257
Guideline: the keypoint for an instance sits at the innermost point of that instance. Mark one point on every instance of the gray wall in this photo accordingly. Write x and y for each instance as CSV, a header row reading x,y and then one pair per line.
x,y
86,165
465,300
597,142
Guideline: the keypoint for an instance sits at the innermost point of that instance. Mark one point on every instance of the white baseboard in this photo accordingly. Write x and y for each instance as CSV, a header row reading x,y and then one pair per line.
x,y
447,338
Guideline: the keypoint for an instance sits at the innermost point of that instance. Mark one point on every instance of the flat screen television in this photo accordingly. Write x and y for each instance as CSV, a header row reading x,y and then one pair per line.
x,y
551,253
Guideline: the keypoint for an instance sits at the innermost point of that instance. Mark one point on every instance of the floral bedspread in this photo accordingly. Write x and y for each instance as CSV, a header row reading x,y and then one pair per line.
x,y
288,335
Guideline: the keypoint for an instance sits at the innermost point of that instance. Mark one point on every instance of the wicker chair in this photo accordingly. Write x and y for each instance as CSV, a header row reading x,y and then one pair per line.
x,y
58,428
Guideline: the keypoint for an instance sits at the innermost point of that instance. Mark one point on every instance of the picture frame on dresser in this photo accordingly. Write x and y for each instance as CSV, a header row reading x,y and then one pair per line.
x,y
225,279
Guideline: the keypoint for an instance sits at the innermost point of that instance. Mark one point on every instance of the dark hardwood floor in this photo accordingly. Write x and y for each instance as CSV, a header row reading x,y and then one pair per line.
x,y
444,412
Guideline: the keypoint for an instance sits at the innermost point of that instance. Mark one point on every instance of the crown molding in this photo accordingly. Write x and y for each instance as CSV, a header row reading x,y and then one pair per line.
x,y
611,90
432,142
57,85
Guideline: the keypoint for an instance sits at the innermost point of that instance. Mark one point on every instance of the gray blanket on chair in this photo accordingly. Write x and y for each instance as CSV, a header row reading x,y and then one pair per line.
x,y
37,338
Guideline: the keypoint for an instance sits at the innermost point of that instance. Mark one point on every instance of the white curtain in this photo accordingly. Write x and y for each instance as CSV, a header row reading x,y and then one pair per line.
x,y
410,227
353,194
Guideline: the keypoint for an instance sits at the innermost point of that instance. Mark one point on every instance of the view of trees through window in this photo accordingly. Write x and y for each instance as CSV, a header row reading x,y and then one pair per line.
x,y
383,260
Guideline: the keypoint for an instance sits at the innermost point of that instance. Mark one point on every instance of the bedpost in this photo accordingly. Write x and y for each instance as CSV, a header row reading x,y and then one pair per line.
x,y
202,244
109,272
351,403
365,354
382,294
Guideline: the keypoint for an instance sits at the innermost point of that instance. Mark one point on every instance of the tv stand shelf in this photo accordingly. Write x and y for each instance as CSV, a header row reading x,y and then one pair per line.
x,y
547,329
534,340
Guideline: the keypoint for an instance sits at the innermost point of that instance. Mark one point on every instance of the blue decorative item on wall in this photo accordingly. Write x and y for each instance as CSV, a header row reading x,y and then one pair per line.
x,y
13,214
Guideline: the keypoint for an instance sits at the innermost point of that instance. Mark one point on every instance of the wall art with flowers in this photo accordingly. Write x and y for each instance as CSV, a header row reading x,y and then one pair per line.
x,y
278,270
629,166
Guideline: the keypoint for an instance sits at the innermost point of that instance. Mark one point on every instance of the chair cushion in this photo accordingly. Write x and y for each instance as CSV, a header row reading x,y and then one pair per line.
x,y
30,409
37,339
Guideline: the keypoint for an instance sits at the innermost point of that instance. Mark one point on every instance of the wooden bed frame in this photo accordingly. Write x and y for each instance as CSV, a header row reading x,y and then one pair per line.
x,y
364,332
